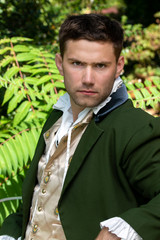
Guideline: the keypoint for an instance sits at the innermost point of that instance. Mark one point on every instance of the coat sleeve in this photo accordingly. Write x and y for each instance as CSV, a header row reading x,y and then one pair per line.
x,y
141,164
12,226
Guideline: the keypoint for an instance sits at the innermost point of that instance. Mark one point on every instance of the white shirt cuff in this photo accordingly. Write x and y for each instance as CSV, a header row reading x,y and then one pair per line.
x,y
6,237
121,228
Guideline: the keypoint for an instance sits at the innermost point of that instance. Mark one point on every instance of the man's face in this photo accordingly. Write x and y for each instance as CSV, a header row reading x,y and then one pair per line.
x,y
89,70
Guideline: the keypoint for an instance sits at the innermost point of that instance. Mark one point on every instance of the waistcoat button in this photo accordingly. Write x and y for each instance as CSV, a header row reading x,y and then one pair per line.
x,y
46,179
35,228
43,191
47,134
39,209
56,211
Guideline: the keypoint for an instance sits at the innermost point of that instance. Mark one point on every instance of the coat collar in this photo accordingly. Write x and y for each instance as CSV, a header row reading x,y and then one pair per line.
x,y
117,98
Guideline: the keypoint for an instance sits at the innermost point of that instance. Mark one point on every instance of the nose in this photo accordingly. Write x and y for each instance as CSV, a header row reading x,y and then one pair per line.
x,y
88,76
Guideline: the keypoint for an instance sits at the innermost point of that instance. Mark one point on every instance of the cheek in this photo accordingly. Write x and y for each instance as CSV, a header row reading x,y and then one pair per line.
x,y
70,78
68,82
107,83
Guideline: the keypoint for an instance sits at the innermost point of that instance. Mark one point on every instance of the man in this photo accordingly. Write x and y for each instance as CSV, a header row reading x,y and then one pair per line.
x,y
97,162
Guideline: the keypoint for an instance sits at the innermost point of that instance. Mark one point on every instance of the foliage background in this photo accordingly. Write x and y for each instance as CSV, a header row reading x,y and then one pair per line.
x,y
30,83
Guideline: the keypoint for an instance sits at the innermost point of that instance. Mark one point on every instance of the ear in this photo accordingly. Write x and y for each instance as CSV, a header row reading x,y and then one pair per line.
x,y
120,66
58,60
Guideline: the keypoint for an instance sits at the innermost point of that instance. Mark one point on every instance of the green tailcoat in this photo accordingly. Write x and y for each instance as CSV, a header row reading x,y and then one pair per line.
x,y
115,171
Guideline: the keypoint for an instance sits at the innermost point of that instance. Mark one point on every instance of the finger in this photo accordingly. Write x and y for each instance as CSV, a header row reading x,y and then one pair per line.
x,y
105,234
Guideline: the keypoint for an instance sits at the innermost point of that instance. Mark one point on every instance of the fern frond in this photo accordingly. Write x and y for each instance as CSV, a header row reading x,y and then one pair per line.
x,y
25,72
16,153
145,95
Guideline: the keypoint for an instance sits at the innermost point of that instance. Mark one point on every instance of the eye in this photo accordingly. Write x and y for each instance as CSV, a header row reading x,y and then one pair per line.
x,y
77,63
100,65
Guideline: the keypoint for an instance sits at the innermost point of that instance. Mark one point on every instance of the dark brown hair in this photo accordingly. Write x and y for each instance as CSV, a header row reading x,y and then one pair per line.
x,y
91,27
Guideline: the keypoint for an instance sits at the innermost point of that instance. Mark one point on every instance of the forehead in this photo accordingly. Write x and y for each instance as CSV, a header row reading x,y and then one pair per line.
x,y
85,50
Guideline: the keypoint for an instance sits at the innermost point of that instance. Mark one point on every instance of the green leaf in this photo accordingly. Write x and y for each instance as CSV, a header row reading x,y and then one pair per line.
x,y
39,95
26,69
5,135
11,72
147,83
18,151
39,65
3,166
130,86
55,71
138,95
58,77
8,93
14,102
141,104
31,80
30,92
11,187
4,50
44,79
139,85
21,48
22,111
35,104
5,40
37,59
12,155
3,122
47,87
17,39
29,143
40,70
22,57
23,148
54,67
156,81
6,158
47,55
41,115
58,84
150,103
145,93
155,92
6,61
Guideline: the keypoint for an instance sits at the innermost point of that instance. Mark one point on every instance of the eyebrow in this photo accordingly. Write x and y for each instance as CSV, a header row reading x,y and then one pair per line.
x,y
94,63
74,59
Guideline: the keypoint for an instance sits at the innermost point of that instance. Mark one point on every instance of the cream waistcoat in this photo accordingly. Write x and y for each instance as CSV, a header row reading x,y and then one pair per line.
x,y
44,221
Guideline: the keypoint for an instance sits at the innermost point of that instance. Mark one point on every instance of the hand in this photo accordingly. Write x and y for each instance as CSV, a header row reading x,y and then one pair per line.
x,y
106,235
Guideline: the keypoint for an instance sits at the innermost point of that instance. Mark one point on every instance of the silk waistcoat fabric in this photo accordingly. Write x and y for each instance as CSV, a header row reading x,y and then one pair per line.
x,y
44,221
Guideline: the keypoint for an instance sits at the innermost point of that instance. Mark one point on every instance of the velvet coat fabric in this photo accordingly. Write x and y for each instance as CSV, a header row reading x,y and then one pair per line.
x,y
115,171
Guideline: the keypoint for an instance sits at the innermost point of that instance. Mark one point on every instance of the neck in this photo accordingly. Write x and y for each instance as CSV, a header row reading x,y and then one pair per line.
x,y
75,115
75,111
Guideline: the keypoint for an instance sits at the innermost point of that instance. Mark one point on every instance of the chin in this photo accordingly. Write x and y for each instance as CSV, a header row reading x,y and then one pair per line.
x,y
87,105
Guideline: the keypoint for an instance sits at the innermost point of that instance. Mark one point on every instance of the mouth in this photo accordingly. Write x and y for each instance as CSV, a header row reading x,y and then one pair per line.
x,y
87,92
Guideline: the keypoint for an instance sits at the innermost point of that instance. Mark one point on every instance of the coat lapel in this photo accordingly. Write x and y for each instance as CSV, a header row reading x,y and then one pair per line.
x,y
87,141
